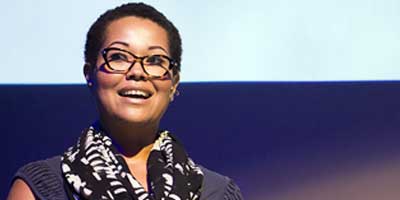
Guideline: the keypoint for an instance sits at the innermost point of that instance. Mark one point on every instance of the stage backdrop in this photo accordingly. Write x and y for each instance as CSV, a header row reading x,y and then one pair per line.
x,y
277,140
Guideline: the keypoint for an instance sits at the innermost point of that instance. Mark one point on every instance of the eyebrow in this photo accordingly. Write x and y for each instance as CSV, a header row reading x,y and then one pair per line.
x,y
157,47
127,45
119,42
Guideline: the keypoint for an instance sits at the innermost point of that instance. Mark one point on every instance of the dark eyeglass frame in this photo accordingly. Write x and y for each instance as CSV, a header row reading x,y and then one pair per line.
x,y
172,63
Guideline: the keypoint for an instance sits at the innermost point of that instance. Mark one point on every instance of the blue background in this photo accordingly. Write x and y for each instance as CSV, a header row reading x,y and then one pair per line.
x,y
278,140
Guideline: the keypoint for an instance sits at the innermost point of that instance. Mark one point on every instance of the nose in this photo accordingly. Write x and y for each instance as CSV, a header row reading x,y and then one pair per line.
x,y
136,72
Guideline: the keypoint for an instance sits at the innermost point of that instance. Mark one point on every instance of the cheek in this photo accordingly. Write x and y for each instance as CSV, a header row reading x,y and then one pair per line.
x,y
106,81
163,88
104,85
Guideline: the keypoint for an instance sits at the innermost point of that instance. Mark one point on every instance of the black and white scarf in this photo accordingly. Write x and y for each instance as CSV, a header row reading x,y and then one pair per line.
x,y
93,169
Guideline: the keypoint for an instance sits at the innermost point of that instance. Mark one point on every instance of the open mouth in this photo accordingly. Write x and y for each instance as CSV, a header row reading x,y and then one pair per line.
x,y
140,94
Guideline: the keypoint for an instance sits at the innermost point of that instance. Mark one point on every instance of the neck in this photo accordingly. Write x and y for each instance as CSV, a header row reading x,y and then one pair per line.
x,y
132,141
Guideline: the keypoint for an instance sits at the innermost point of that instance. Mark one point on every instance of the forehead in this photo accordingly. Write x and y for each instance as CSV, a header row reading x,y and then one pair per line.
x,y
136,31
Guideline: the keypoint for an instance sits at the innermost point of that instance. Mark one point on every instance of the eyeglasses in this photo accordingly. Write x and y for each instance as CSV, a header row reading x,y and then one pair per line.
x,y
120,61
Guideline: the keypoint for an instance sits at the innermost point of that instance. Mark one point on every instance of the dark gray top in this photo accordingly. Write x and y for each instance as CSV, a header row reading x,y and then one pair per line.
x,y
45,179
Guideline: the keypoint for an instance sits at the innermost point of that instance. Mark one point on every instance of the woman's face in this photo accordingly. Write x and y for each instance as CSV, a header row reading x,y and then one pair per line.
x,y
141,37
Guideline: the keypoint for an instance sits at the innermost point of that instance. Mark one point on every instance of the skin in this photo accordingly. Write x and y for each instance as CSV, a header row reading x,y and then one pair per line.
x,y
132,123
20,191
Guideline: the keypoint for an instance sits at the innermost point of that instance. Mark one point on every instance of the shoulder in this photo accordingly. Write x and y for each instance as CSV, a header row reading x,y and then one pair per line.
x,y
43,177
217,186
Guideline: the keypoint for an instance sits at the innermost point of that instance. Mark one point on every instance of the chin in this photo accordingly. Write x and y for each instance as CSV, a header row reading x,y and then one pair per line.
x,y
136,118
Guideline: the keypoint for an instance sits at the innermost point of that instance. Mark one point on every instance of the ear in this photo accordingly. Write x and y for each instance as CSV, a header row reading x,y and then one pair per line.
x,y
87,71
175,83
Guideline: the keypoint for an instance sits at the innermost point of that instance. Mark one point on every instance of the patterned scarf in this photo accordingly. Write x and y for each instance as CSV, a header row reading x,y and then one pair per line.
x,y
94,170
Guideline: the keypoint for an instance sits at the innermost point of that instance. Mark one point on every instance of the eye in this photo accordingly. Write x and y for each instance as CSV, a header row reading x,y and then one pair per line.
x,y
117,56
156,60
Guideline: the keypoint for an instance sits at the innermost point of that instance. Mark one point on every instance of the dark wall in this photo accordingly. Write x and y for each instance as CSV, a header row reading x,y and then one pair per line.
x,y
321,140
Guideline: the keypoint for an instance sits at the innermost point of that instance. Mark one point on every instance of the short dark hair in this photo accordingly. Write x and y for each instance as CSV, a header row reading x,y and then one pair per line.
x,y
96,34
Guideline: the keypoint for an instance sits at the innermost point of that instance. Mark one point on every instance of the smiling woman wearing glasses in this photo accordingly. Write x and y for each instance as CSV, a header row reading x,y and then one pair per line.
x,y
132,65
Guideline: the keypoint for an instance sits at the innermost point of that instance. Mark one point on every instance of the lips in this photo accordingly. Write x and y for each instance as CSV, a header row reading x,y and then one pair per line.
x,y
135,93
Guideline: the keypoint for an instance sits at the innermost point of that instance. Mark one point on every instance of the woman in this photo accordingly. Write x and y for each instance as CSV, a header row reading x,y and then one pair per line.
x,y
132,56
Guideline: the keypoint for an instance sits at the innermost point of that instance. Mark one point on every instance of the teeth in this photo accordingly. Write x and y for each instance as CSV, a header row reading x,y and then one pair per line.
x,y
136,92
